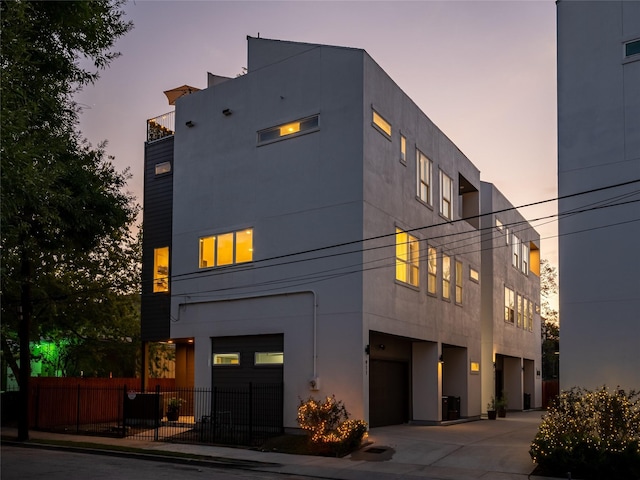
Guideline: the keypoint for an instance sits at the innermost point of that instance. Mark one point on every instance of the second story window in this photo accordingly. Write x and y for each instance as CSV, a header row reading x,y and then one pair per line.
x,y
458,282
446,277
403,149
446,196
424,167
432,273
407,258
509,305
226,249
381,124
161,269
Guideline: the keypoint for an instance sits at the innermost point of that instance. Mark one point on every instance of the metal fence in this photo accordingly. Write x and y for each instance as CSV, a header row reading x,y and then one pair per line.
x,y
238,415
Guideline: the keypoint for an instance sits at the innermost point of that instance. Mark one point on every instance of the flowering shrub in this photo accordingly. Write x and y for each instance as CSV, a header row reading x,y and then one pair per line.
x,y
593,435
329,426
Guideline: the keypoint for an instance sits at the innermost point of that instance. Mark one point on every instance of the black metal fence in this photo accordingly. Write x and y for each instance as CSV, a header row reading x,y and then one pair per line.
x,y
238,415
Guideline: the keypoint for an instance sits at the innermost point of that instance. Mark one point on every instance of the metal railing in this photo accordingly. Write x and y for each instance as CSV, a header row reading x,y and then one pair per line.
x,y
161,126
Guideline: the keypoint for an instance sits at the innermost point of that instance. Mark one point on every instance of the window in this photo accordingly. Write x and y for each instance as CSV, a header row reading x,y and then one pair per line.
x,y
509,299
525,258
161,269
269,358
226,249
520,318
424,177
403,149
530,316
499,225
164,167
382,124
525,312
458,282
474,275
290,129
515,249
407,258
446,276
226,359
432,271
632,48
446,196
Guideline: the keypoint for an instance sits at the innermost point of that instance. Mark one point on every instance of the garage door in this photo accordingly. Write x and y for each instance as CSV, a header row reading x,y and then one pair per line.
x,y
388,393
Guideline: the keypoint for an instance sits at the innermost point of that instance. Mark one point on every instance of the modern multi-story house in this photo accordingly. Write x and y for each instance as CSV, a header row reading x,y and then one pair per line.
x,y
599,152
307,224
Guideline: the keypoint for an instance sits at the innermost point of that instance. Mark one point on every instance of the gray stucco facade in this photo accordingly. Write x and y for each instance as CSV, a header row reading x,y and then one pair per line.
x,y
342,233
599,147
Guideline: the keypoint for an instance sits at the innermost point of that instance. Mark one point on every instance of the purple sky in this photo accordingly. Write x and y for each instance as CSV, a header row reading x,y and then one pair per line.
x,y
484,72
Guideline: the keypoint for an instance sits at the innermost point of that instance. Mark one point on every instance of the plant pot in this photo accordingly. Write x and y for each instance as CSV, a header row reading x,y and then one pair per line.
x,y
173,415
502,412
492,414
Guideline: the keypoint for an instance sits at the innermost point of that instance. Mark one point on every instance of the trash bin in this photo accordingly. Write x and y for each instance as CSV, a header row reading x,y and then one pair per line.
x,y
454,408
445,408
526,403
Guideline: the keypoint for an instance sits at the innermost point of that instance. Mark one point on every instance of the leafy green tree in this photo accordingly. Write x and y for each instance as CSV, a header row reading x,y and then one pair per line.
x,y
61,199
550,321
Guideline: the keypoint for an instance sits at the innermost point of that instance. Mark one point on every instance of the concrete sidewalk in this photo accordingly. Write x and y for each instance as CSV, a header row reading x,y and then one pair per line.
x,y
488,450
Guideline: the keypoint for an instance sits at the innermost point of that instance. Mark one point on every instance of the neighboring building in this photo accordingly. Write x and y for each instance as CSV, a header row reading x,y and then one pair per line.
x,y
598,147
323,233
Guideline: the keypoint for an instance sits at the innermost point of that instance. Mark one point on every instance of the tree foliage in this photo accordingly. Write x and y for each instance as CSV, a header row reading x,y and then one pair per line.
x,y
66,216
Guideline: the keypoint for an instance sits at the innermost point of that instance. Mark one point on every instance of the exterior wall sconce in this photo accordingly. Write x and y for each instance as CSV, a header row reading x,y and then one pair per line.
x,y
189,123
226,112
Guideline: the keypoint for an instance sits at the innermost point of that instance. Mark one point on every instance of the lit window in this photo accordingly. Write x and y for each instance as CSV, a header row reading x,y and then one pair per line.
x,y
525,258
381,123
299,126
403,149
525,312
446,276
269,358
458,282
520,318
509,305
446,196
424,177
474,275
515,249
161,269
164,167
632,48
530,316
432,270
499,225
226,249
407,258
225,359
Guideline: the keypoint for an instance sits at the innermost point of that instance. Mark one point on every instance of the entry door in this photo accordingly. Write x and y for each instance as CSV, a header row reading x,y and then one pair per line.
x,y
388,393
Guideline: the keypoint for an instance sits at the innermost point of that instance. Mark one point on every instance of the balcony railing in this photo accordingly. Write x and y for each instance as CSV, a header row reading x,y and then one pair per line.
x,y
160,126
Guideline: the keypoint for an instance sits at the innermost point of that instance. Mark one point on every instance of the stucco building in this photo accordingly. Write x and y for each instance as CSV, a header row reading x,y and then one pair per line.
x,y
599,152
307,223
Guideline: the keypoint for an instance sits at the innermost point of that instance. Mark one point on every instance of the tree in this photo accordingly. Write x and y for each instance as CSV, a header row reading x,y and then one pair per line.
x,y
550,321
61,198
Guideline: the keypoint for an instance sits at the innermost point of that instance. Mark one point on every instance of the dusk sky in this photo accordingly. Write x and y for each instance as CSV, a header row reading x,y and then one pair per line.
x,y
483,72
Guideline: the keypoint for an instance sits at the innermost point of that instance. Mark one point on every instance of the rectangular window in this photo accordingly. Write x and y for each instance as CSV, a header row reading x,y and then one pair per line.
x,y
226,359
525,312
446,276
226,249
515,249
446,196
525,258
382,124
499,225
509,307
632,48
161,269
407,258
520,313
269,358
432,270
530,316
458,282
288,129
474,275
403,149
164,167
424,167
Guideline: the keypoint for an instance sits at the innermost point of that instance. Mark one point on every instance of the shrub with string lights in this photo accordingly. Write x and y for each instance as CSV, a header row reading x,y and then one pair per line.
x,y
592,434
329,426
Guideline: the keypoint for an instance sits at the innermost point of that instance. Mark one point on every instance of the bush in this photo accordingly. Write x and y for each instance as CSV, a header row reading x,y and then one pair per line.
x,y
329,426
593,435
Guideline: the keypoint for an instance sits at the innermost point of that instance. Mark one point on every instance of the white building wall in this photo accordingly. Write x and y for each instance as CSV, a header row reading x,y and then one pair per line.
x,y
598,146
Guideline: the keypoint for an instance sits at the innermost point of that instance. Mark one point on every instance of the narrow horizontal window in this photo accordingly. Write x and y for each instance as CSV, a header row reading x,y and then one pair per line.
x,y
381,123
164,167
269,358
226,249
632,48
226,359
288,129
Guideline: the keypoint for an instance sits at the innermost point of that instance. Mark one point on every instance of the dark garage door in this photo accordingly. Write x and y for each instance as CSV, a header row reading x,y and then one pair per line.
x,y
388,393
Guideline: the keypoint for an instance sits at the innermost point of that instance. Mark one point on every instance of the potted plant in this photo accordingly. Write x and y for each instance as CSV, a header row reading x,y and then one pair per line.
x,y
501,405
173,408
491,409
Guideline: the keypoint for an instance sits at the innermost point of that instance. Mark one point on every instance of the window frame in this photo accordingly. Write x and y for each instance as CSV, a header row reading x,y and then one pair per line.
x,y
411,262
458,294
161,279
216,247
403,149
225,365
474,278
302,130
432,270
256,363
446,277
424,182
444,176
163,167
381,124
509,305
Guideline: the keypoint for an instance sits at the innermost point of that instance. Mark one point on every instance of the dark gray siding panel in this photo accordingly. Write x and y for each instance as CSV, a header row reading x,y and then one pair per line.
x,y
246,371
156,218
